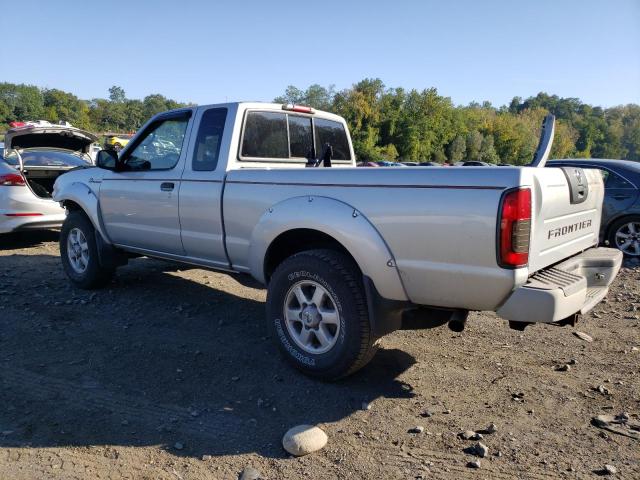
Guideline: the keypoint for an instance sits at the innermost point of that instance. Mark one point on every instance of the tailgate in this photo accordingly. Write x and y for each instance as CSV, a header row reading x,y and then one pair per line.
x,y
567,209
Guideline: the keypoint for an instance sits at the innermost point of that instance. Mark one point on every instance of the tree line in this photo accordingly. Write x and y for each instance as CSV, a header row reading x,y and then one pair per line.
x,y
113,114
398,124
386,123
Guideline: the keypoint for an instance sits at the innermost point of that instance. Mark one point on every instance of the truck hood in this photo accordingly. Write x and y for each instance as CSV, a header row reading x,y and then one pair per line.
x,y
54,136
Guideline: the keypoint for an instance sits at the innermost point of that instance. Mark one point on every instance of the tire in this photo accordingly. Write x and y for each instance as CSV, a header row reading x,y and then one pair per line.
x,y
630,246
336,311
83,239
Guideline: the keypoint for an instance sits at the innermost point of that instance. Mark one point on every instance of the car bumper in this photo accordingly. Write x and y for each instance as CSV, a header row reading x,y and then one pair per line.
x,y
573,286
41,222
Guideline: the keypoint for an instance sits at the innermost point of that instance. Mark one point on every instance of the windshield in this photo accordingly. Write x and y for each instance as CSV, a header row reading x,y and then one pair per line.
x,y
46,158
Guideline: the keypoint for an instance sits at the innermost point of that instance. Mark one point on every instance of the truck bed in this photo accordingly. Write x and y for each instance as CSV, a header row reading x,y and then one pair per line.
x,y
439,224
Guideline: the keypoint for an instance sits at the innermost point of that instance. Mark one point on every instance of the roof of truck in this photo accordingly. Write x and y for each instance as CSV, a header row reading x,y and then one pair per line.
x,y
273,106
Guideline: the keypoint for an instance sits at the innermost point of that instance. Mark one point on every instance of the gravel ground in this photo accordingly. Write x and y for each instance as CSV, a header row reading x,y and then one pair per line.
x,y
168,374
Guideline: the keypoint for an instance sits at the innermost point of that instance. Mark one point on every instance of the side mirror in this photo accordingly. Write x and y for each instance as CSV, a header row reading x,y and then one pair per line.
x,y
107,159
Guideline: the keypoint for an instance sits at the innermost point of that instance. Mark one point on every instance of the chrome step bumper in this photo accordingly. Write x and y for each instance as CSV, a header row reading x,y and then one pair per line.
x,y
574,286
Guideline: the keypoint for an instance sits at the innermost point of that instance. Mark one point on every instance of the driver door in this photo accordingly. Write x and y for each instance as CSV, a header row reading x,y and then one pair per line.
x,y
139,204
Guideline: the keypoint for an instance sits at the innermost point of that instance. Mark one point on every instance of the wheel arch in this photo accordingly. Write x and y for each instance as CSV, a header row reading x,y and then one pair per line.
x,y
303,223
293,241
79,196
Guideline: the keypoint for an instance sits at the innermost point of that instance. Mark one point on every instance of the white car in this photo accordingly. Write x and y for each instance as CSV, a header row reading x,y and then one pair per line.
x,y
32,159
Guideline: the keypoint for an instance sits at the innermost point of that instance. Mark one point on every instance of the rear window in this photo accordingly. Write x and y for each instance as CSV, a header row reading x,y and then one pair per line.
x,y
265,135
331,132
300,136
46,158
276,135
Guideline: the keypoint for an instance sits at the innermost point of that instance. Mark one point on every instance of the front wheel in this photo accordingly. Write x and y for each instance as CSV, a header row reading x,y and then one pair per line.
x,y
625,236
317,313
79,253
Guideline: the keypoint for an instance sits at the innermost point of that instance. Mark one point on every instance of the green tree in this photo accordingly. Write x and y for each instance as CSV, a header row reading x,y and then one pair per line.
x,y
116,94
474,143
487,151
457,149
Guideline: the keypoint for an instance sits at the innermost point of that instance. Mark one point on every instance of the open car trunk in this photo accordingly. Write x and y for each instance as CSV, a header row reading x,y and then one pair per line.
x,y
41,179
44,153
42,166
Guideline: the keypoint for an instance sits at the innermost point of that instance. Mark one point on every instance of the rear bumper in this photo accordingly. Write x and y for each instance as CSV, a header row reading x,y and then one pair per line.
x,y
41,222
573,286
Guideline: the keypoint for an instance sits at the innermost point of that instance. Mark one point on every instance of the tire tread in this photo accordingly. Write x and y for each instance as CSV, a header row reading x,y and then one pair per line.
x,y
351,275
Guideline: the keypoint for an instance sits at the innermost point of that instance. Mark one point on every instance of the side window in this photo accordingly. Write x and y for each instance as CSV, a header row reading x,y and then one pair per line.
x,y
615,181
160,148
207,150
300,136
265,135
328,131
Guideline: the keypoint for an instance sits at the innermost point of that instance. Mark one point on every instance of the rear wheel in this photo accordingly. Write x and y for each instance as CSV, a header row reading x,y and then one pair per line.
x,y
79,253
317,313
624,235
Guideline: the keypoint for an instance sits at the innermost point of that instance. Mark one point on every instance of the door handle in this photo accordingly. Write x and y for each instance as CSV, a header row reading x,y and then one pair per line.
x,y
621,197
167,186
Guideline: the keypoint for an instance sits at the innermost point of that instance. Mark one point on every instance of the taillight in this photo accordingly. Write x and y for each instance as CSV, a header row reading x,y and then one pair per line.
x,y
515,228
12,180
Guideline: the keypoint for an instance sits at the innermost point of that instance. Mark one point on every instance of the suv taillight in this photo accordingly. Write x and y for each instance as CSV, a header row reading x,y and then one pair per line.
x,y
515,228
12,180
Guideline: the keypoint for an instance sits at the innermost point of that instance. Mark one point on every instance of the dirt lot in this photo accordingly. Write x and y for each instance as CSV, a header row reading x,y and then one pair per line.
x,y
110,384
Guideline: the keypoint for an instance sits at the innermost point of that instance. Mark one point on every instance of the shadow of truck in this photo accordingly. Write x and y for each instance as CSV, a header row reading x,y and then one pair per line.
x,y
157,358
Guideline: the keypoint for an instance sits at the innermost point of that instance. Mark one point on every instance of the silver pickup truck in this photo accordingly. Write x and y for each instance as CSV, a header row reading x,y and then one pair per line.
x,y
347,254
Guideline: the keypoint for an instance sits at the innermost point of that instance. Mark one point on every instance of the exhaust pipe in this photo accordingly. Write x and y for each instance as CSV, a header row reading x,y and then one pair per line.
x,y
458,320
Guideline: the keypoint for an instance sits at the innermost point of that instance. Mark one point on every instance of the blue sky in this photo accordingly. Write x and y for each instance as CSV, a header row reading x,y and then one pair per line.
x,y
212,51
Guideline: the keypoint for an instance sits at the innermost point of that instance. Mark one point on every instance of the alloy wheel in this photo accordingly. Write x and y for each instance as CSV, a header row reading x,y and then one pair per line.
x,y
311,317
77,250
628,238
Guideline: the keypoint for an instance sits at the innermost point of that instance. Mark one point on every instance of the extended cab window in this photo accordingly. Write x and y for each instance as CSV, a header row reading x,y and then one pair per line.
x,y
328,131
160,147
205,157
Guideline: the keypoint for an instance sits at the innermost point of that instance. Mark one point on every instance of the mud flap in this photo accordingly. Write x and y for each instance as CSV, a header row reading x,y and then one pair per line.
x,y
385,316
108,255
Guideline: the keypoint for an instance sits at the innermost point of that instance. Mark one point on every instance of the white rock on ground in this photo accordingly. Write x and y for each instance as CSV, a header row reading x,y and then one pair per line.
x,y
250,473
610,470
470,435
304,439
583,336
